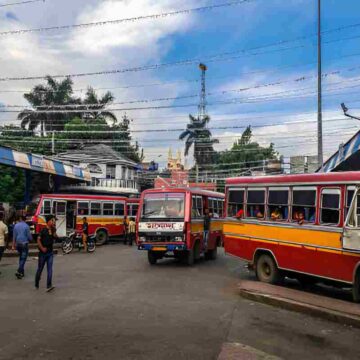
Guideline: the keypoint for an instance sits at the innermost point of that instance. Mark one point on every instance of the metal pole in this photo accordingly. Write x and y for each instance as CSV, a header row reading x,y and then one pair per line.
x,y
53,143
320,132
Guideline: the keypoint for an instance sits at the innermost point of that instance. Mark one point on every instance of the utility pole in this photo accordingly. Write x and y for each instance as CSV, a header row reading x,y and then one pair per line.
x,y
202,104
320,132
53,143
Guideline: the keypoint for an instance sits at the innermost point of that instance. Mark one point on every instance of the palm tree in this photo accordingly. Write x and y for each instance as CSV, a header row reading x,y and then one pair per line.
x,y
48,97
200,136
95,107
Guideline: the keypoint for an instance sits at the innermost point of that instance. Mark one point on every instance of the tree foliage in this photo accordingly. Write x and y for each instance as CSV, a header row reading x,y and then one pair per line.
x,y
246,153
12,184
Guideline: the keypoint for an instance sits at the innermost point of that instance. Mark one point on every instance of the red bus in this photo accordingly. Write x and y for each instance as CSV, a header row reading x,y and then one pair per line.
x,y
301,226
105,214
171,223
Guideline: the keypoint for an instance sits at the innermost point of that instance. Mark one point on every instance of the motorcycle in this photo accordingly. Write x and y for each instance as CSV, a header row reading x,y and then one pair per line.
x,y
74,240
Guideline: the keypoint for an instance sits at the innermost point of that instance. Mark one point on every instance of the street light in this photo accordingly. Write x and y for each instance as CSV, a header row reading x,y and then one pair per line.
x,y
345,110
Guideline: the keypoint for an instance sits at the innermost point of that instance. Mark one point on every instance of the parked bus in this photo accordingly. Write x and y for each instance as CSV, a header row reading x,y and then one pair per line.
x,y
105,214
301,226
171,223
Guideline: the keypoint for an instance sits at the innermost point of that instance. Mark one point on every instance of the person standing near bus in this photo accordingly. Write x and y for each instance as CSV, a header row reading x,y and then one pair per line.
x,y
207,220
85,233
126,229
21,238
3,235
132,230
45,243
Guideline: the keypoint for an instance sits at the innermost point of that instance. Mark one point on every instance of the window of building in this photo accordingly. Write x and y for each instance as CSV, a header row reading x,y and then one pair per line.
x,y
108,208
119,209
83,208
197,207
235,201
110,171
46,208
95,208
278,203
330,206
256,203
304,204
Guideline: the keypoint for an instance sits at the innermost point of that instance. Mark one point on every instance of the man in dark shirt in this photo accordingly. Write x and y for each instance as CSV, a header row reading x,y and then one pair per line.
x,y
45,243
207,220
85,233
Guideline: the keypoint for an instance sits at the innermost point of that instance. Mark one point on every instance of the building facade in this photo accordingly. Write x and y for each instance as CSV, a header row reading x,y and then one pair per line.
x,y
110,171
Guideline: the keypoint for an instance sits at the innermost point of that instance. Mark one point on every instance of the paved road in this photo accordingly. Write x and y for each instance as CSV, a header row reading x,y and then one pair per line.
x,y
113,305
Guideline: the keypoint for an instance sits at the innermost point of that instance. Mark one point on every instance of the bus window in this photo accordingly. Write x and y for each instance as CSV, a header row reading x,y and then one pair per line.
x,y
278,203
350,190
197,207
46,208
135,208
330,206
108,208
304,203
95,208
235,202
221,208
119,209
83,208
256,203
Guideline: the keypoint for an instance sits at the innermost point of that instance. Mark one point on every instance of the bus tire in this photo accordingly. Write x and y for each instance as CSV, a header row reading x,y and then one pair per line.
x,y
356,287
213,254
152,258
196,251
267,270
101,237
190,257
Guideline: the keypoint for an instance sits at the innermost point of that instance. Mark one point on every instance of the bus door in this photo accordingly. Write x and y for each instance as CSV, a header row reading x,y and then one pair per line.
x,y
60,213
351,235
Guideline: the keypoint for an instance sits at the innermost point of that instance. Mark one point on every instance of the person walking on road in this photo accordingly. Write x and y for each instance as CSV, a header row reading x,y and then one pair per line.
x,y
45,242
85,233
21,238
3,235
132,230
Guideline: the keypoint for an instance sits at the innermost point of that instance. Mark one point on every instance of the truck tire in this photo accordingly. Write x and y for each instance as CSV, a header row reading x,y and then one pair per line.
x,y
356,287
101,237
266,270
196,251
152,257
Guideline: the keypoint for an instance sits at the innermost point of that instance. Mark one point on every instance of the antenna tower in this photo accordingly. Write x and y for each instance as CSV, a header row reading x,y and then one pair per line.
x,y
202,104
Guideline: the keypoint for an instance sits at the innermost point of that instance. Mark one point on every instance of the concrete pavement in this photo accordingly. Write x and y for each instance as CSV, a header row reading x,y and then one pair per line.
x,y
113,305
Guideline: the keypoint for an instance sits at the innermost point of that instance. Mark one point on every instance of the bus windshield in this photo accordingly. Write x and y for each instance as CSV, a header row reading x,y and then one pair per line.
x,y
163,205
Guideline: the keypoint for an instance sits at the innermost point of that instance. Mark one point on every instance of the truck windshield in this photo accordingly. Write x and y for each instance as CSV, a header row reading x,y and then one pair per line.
x,y
163,205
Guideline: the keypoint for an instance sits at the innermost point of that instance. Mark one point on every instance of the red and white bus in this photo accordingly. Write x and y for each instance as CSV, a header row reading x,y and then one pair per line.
x,y
171,223
104,213
302,226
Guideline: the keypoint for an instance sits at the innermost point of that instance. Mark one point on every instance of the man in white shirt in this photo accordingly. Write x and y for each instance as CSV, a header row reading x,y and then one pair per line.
x,y
3,235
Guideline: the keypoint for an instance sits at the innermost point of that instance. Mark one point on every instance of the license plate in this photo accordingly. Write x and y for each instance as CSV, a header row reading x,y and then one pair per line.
x,y
159,248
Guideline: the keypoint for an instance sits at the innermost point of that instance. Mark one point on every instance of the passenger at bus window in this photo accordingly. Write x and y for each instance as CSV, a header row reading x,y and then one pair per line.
x,y
258,214
276,214
240,214
300,218
215,215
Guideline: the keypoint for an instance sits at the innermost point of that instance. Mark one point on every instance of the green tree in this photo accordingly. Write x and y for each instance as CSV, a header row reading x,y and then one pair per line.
x,y
199,136
246,153
45,98
12,184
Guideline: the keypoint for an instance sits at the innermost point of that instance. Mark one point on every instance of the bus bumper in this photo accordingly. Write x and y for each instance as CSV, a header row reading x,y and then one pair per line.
x,y
162,247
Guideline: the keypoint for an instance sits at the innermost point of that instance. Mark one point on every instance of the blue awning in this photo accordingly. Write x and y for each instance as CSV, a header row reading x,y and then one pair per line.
x,y
41,163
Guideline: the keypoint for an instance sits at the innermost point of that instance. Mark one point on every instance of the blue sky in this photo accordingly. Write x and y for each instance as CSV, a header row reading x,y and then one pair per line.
x,y
200,35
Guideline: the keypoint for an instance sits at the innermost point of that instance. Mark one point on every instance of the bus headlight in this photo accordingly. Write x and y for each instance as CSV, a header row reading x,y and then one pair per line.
x,y
142,238
178,238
